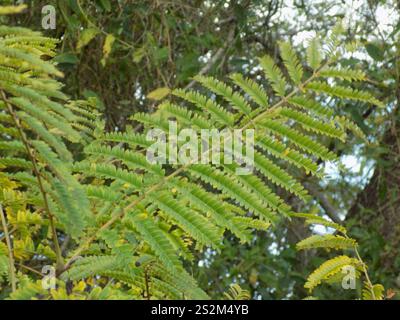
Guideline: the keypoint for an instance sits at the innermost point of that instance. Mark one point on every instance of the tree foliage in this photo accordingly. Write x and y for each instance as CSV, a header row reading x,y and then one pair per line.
x,y
86,200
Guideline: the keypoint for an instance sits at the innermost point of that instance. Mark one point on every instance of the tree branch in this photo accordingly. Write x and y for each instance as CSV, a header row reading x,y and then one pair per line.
x,y
329,209
218,55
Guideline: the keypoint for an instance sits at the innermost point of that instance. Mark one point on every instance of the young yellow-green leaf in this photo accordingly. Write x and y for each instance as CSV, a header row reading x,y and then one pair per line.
x,y
107,47
85,37
138,54
235,292
378,290
326,241
328,269
12,9
159,93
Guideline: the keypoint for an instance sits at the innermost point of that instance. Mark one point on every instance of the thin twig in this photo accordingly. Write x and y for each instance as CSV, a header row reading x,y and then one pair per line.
x,y
220,52
371,287
10,250
9,232
146,280
30,269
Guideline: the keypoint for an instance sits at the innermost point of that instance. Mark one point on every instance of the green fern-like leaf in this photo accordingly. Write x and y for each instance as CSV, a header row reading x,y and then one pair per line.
x,y
216,111
326,241
291,62
222,89
328,269
314,219
254,90
274,75
344,92
314,54
196,225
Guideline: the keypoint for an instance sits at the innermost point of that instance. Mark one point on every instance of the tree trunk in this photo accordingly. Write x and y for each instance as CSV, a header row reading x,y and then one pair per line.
x,y
377,209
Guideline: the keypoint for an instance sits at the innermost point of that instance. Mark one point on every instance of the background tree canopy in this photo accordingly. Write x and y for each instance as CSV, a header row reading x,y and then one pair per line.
x,y
126,56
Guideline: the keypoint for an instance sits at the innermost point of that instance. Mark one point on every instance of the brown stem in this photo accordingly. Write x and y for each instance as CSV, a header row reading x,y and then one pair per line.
x,y
10,250
146,281
30,269
371,288
364,266
330,210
